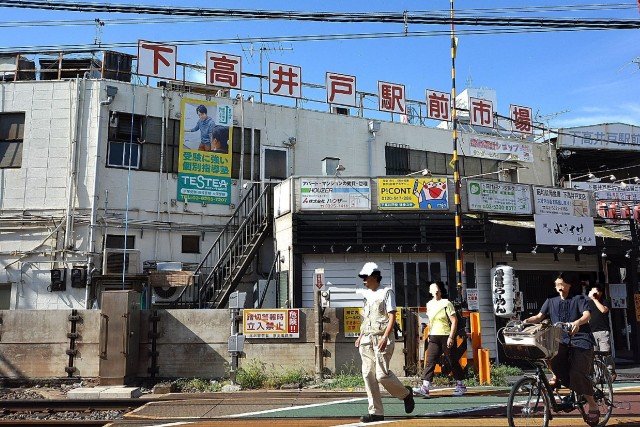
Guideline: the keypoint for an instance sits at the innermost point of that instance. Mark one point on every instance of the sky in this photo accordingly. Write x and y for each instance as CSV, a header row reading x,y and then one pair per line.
x,y
571,78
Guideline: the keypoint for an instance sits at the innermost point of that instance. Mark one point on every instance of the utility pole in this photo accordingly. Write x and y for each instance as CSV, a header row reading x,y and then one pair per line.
x,y
456,163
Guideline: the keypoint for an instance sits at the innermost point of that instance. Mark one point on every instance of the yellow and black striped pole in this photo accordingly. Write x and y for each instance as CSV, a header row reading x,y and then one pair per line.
x,y
456,163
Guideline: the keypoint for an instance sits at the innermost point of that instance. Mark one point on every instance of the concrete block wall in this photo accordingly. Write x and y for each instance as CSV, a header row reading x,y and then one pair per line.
x,y
190,343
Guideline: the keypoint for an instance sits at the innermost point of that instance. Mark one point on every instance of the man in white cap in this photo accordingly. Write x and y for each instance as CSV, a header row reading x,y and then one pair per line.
x,y
376,345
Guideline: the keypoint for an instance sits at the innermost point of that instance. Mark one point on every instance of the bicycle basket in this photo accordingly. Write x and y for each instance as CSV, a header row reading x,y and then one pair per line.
x,y
533,342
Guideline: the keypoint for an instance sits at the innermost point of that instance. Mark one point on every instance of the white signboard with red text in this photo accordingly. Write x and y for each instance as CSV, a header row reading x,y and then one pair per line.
x,y
521,119
499,149
481,112
224,70
157,60
285,80
392,98
438,105
271,323
341,89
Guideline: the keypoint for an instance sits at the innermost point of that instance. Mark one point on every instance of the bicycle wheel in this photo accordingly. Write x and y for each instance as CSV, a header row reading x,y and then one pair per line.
x,y
602,391
529,404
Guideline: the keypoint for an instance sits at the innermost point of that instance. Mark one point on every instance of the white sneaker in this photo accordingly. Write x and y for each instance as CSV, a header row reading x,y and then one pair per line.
x,y
421,391
460,390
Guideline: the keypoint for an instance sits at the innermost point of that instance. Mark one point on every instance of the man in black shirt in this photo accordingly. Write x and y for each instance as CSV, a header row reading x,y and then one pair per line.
x,y
574,361
600,325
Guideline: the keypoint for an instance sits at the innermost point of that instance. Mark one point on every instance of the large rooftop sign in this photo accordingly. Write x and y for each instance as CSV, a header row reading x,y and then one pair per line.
x,y
612,136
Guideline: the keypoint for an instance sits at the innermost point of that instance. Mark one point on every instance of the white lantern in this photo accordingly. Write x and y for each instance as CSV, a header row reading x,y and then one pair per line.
x,y
503,286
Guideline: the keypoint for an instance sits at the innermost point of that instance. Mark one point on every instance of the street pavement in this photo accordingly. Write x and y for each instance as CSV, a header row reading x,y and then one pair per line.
x,y
481,406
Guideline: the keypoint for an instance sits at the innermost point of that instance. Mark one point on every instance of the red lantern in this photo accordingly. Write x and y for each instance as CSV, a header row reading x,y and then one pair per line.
x,y
613,211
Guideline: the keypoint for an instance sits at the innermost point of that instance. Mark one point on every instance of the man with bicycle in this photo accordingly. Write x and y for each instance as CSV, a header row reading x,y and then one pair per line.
x,y
572,365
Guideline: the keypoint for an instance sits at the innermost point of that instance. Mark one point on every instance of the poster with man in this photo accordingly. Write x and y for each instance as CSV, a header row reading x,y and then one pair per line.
x,y
204,170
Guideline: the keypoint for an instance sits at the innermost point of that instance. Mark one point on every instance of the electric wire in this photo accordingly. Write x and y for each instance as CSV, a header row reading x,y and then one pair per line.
x,y
361,17
92,47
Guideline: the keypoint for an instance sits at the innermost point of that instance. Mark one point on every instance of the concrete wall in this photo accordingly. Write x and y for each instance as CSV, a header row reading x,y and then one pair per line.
x,y
190,343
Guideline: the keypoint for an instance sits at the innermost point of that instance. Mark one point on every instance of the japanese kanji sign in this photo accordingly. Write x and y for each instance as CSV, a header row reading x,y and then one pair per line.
x,y
499,197
204,166
318,278
285,80
352,319
500,149
271,323
335,194
481,112
157,60
612,136
564,230
391,98
341,89
521,119
563,202
413,193
438,105
224,70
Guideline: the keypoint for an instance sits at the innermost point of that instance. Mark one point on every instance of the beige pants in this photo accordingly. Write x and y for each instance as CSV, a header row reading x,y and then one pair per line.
x,y
375,371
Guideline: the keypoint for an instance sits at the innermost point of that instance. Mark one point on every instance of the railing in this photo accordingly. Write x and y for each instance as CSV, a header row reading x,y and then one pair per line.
x,y
232,252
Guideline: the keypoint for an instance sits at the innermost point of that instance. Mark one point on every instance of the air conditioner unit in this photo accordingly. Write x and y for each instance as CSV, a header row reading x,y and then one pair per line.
x,y
166,294
114,259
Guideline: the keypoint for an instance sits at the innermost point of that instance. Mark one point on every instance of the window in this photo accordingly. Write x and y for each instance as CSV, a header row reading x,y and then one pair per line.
x,y
151,150
11,137
5,296
275,164
114,241
123,154
190,244
397,159
236,150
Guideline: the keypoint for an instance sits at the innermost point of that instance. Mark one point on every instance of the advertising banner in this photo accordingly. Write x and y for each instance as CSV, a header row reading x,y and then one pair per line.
x,y
430,193
271,323
562,202
564,230
204,167
499,197
335,193
500,149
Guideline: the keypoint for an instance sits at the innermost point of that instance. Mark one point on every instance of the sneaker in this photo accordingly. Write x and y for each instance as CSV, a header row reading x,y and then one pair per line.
x,y
460,390
369,418
409,403
421,391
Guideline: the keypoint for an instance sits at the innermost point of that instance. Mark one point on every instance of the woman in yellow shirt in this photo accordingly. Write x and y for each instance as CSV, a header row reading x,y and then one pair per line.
x,y
443,325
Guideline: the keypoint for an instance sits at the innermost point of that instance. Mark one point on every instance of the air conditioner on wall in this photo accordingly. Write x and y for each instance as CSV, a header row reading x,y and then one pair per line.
x,y
166,294
113,261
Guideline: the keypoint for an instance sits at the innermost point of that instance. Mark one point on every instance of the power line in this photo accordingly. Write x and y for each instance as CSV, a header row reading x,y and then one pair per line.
x,y
78,48
370,17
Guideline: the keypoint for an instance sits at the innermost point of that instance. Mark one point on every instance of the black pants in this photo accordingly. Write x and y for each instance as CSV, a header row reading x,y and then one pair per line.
x,y
572,366
437,346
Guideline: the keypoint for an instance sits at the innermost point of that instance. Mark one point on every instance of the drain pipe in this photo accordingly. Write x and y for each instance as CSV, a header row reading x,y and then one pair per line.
x,y
111,93
162,142
240,98
253,131
73,166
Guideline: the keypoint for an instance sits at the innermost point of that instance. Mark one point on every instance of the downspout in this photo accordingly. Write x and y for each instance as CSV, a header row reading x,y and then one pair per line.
x,y
111,93
73,176
253,131
162,142
240,97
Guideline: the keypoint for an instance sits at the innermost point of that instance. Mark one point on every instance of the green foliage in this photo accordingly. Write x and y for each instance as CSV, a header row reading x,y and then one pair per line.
x,y
196,385
499,377
500,374
349,378
253,375
257,374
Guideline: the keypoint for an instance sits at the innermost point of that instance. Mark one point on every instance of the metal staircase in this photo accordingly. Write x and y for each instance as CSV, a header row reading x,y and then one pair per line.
x,y
231,254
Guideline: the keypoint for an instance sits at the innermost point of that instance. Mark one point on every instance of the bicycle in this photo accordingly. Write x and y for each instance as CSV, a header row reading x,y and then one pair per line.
x,y
532,400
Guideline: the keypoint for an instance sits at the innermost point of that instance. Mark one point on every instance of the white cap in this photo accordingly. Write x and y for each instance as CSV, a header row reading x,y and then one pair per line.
x,y
368,269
